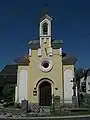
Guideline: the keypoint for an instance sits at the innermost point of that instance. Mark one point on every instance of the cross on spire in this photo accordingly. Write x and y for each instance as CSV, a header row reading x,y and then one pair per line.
x,y
45,9
45,14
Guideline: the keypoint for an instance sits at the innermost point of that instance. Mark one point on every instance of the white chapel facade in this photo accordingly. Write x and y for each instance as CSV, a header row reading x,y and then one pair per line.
x,y
46,72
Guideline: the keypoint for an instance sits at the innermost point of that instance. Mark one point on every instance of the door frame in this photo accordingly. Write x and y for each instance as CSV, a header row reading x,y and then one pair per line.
x,y
40,82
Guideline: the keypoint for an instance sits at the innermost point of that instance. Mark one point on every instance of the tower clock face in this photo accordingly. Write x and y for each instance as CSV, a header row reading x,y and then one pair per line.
x,y
46,64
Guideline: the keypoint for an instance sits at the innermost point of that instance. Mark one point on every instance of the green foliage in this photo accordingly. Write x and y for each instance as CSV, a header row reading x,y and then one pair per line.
x,y
79,73
9,92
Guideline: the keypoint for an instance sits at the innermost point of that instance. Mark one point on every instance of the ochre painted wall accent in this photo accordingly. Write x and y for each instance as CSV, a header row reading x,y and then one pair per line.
x,y
35,74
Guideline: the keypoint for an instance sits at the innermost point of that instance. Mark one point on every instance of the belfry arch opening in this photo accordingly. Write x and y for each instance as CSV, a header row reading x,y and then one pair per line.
x,y
45,28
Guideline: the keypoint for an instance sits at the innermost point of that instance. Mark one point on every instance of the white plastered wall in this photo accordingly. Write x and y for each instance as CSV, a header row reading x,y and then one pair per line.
x,y
88,85
68,91
21,88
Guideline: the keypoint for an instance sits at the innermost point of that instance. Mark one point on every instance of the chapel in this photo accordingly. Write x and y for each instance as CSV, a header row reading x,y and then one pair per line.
x,y
46,71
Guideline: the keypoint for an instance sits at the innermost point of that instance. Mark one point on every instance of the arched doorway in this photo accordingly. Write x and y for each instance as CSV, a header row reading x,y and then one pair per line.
x,y
45,94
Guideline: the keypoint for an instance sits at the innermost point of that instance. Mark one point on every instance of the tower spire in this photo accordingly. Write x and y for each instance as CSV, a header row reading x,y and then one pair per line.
x,y
45,9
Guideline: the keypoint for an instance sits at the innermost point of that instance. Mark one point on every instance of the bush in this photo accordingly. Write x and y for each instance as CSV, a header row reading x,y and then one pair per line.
x,y
9,93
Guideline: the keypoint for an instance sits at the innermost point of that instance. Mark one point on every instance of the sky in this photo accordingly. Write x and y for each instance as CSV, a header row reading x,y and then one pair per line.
x,y
19,20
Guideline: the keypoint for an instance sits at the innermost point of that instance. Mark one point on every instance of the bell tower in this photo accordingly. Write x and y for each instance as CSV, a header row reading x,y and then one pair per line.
x,y
45,28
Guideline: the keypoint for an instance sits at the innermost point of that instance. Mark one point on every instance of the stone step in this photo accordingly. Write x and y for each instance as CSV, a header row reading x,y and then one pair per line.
x,y
45,109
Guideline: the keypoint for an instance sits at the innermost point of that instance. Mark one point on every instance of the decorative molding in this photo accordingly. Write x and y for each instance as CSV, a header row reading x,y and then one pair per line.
x,y
67,68
50,51
48,61
49,27
30,52
60,51
39,52
42,80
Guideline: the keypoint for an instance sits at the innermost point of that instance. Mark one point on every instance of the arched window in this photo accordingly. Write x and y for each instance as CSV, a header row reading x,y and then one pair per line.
x,y
45,28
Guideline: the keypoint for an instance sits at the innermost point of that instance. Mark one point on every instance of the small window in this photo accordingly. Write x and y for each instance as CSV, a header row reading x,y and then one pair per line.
x,y
45,29
47,38
83,86
45,64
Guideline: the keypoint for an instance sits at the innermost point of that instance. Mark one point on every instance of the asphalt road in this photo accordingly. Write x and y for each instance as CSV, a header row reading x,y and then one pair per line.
x,y
79,117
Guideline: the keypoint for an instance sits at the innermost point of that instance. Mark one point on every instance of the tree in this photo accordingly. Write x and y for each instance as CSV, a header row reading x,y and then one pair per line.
x,y
8,92
79,73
